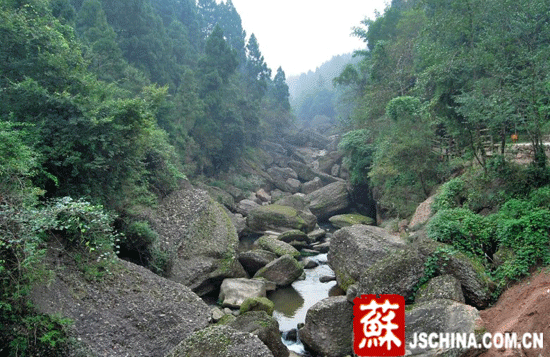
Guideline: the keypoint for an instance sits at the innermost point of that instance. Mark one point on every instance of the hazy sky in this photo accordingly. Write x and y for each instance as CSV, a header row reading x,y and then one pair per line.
x,y
300,35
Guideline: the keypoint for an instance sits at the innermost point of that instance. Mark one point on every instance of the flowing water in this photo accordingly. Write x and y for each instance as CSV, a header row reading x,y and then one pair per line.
x,y
292,302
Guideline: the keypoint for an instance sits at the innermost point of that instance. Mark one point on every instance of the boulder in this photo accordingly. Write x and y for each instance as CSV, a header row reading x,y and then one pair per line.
x,y
304,172
234,292
442,316
296,201
397,273
254,260
294,235
265,327
198,238
346,220
440,287
400,272
293,185
308,137
245,206
476,284
282,271
311,186
279,218
217,314
221,341
132,313
279,177
317,235
328,327
354,249
238,221
219,196
257,304
263,196
310,263
329,200
322,247
274,245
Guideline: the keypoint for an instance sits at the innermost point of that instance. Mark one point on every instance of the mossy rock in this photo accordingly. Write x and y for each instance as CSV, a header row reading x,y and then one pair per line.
x,y
258,304
346,220
272,244
279,218
294,235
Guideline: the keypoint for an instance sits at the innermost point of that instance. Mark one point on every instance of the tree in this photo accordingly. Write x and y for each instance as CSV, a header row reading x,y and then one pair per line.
x,y
257,73
279,91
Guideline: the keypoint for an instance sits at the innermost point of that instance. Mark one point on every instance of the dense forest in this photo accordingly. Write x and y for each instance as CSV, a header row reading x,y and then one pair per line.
x,y
440,90
108,105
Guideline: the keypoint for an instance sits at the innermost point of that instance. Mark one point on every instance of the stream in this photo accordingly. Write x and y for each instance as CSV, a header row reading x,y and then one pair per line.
x,y
292,302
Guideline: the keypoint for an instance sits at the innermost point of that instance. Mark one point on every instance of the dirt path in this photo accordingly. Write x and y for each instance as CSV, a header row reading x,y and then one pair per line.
x,y
525,307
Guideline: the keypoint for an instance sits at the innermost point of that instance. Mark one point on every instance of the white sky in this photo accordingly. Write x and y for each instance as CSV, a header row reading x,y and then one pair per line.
x,y
300,35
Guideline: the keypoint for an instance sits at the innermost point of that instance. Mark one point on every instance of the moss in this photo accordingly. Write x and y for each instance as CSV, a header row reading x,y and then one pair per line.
x,y
344,220
344,280
258,304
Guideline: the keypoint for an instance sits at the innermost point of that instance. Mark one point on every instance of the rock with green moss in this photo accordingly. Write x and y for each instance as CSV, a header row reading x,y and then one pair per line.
x,y
259,323
279,219
354,249
221,341
257,304
442,316
274,245
474,279
130,311
328,327
198,238
346,220
254,260
397,273
282,271
294,236
329,200
440,287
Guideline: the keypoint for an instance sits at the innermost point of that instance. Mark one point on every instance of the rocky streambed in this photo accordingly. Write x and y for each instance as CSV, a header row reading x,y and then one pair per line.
x,y
262,256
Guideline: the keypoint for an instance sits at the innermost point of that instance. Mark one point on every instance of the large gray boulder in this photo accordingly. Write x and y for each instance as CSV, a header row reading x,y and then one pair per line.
x,y
440,287
397,273
354,249
245,206
234,292
282,271
401,271
279,219
442,316
329,200
328,327
221,341
199,239
312,186
254,260
259,323
132,313
279,177
304,172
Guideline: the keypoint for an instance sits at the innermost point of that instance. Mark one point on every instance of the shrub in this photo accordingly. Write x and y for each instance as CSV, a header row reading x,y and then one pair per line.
x,y
451,195
466,231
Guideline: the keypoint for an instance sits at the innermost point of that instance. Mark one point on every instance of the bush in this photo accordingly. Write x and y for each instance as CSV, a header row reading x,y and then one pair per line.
x,y
525,228
466,231
451,195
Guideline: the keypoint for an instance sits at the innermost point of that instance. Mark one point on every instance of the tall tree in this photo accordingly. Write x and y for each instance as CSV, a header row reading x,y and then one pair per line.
x,y
257,73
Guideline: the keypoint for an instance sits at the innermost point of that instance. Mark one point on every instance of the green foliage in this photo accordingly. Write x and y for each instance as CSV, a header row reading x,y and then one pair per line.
x,y
466,231
450,196
434,264
358,148
524,226
403,108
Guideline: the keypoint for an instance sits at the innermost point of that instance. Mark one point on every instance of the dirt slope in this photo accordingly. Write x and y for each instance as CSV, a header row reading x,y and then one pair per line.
x,y
524,307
